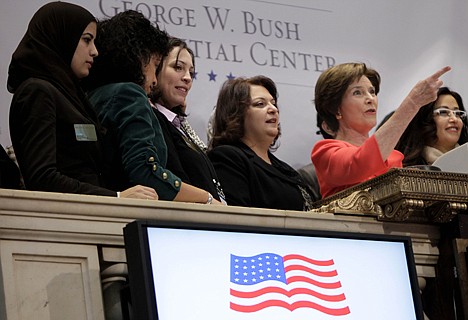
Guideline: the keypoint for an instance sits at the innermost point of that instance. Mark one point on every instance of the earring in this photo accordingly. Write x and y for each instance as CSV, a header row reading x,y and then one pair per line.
x,y
338,116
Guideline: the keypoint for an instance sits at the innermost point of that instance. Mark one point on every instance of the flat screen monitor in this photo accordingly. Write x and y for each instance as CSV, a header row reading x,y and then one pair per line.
x,y
212,272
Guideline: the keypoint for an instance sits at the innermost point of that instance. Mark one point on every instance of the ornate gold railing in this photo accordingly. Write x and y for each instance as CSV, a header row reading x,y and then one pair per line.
x,y
403,195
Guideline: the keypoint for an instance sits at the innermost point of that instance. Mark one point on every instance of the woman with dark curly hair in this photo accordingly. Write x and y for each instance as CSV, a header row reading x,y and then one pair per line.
x,y
55,132
245,130
437,128
131,49
346,103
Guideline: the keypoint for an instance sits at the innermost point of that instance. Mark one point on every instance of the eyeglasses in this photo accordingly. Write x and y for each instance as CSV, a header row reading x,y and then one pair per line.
x,y
445,113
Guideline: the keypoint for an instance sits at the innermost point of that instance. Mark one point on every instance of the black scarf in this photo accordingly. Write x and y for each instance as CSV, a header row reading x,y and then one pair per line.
x,y
47,49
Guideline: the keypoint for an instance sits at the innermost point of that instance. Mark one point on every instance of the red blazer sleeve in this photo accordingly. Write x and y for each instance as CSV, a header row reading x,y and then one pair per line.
x,y
340,165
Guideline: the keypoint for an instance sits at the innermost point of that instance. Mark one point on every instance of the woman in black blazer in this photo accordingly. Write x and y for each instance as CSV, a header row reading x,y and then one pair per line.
x,y
245,130
55,133
187,157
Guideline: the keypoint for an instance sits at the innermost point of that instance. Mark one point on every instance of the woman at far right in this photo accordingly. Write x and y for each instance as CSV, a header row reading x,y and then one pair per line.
x,y
437,128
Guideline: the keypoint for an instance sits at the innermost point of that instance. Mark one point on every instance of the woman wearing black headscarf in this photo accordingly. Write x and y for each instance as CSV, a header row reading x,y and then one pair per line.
x,y
53,128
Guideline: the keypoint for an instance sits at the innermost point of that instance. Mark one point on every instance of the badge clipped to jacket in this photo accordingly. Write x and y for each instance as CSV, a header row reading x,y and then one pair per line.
x,y
85,132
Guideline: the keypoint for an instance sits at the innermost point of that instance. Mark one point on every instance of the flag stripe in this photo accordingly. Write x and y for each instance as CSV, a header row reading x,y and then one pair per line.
x,y
296,305
295,267
324,285
288,293
324,263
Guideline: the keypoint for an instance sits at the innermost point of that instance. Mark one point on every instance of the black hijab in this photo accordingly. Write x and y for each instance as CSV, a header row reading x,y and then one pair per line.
x,y
47,49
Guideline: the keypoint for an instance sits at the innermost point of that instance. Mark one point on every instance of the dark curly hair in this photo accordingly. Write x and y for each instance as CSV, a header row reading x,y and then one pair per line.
x,y
126,43
331,87
233,102
422,131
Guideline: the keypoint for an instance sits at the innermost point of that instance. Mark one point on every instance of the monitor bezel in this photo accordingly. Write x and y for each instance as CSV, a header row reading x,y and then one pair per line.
x,y
140,275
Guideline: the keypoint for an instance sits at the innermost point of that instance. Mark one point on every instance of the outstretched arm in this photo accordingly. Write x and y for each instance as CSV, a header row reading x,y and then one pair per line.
x,y
424,92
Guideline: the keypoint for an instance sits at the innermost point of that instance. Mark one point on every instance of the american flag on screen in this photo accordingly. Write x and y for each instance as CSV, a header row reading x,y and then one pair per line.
x,y
291,282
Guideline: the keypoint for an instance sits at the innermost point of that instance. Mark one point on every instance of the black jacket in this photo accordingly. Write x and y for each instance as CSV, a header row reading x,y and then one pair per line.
x,y
50,157
9,172
186,160
251,182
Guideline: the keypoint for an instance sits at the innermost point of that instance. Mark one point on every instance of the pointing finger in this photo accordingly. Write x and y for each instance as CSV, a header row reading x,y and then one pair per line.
x,y
441,72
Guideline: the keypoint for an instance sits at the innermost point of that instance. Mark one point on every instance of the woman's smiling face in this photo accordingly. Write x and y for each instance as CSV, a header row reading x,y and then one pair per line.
x,y
448,127
175,77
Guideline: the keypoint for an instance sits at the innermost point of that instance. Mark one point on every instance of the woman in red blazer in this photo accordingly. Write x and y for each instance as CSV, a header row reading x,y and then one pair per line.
x,y
346,103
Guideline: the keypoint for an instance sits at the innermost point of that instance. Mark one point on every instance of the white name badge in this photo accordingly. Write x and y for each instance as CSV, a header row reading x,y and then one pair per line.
x,y
85,132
